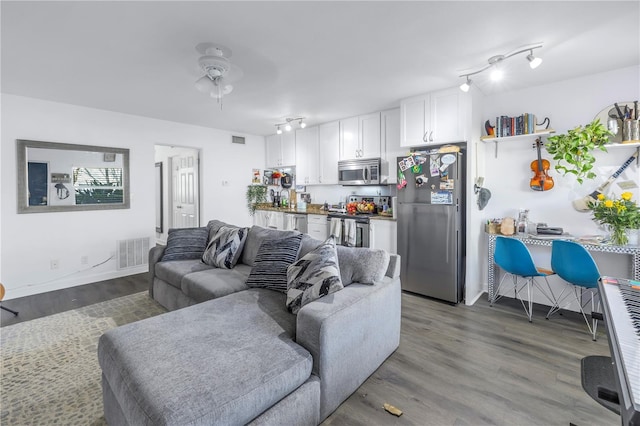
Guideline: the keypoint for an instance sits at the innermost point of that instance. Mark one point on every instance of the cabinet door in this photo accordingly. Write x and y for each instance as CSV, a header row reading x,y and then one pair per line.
x,y
383,235
317,226
369,135
447,120
329,152
415,115
288,147
390,144
349,140
274,155
307,166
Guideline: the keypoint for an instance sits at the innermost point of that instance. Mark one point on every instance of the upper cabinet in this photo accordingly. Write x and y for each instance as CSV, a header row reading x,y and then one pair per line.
x,y
329,148
281,150
433,118
307,152
360,137
390,143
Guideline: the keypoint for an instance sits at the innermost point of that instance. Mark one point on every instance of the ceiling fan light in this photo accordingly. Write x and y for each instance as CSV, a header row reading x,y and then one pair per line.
x,y
534,62
204,84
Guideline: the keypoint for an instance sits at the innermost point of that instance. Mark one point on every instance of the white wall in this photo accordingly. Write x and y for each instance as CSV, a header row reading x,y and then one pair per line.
x,y
35,239
568,104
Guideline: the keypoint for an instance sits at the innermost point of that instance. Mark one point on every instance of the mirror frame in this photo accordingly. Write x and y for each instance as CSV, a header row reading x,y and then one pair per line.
x,y
23,191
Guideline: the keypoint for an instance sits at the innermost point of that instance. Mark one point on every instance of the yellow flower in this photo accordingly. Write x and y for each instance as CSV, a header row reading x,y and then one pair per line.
x,y
626,196
601,197
608,203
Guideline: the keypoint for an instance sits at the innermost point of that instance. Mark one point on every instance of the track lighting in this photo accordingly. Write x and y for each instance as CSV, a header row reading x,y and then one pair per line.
x,y
466,85
287,124
496,72
533,61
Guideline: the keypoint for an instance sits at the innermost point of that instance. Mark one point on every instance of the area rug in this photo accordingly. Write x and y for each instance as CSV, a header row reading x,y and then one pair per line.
x,y
50,372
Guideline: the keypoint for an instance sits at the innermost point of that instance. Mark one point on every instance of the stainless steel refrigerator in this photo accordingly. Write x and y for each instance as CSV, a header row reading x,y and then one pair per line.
x,y
431,225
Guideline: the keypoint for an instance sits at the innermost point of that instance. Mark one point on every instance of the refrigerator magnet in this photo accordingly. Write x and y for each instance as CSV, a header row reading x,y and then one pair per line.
x,y
442,197
417,169
419,159
448,159
447,184
421,180
434,165
402,182
406,163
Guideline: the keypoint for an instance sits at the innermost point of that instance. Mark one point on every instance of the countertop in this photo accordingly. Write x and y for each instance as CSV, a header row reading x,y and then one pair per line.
x,y
311,209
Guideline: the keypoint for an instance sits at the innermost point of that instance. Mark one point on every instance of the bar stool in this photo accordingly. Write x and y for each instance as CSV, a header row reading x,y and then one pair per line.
x,y
514,257
574,264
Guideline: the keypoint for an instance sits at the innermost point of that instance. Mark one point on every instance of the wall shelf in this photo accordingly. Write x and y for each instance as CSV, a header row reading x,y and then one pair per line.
x,y
516,138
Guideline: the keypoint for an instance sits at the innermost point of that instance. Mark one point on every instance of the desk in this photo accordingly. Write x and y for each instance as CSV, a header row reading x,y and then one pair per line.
x,y
633,251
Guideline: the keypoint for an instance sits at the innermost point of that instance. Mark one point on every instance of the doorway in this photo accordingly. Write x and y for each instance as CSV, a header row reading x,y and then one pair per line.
x,y
180,187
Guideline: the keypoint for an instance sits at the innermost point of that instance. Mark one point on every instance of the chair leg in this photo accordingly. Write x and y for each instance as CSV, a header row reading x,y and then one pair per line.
x,y
9,310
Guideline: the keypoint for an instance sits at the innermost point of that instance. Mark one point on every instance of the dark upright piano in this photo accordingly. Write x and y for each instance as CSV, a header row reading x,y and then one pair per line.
x,y
621,305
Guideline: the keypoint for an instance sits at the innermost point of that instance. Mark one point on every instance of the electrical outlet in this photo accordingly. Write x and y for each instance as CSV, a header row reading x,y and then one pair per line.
x,y
55,263
84,260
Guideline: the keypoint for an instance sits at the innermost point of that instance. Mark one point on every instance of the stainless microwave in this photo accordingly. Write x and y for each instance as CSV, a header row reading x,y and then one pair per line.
x,y
359,172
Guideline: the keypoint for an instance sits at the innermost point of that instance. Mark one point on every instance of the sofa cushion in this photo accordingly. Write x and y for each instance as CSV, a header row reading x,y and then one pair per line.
x,y
357,264
224,361
185,243
362,265
214,226
314,275
255,238
212,283
174,270
225,248
272,260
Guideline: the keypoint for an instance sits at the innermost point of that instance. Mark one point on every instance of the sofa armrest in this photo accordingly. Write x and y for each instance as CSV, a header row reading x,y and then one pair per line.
x,y
349,334
155,254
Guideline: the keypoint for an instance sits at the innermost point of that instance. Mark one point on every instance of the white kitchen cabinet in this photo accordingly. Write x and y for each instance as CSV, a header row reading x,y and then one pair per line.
x,y
390,143
360,137
329,152
383,235
307,153
317,226
281,150
433,118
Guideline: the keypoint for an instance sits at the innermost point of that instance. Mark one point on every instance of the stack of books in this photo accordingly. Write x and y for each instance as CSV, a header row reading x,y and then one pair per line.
x,y
513,126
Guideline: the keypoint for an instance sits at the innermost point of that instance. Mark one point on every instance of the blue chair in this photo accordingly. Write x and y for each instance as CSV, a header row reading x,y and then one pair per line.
x,y
514,257
574,264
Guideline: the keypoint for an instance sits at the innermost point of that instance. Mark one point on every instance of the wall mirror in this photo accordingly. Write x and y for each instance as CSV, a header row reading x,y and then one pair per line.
x,y
55,177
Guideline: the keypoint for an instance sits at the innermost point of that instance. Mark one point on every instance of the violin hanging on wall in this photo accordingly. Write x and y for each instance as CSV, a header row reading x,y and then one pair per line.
x,y
541,181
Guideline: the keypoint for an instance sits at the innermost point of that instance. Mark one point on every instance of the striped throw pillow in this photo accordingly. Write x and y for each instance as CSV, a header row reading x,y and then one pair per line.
x,y
185,243
271,263
225,247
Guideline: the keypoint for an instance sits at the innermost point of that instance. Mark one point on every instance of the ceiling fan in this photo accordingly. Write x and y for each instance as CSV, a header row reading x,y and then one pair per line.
x,y
218,71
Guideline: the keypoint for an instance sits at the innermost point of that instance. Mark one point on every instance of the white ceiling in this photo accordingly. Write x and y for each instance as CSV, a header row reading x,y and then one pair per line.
x,y
323,60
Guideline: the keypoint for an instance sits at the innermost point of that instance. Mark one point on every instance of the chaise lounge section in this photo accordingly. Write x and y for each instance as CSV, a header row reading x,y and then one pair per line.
x,y
242,357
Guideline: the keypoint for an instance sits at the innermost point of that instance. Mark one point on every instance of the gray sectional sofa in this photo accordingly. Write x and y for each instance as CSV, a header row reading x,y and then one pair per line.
x,y
228,354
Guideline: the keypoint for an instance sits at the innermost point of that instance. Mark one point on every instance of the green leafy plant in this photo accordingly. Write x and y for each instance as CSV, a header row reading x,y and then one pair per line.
x,y
573,151
255,194
619,215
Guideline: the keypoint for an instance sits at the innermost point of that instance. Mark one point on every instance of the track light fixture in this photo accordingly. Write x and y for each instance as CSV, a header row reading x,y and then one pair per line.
x,y
496,72
287,124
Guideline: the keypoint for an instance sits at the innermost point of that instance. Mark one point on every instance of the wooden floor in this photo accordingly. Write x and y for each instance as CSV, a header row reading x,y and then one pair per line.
x,y
456,365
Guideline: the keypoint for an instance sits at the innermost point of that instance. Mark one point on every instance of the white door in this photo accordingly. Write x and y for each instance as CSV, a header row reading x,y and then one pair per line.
x,y
185,191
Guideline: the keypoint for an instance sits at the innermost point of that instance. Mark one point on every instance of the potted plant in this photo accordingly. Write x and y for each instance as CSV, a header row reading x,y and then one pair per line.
x,y
618,215
255,194
572,151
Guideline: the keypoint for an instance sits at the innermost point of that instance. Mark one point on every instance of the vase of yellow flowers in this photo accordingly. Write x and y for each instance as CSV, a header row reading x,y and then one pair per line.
x,y
619,215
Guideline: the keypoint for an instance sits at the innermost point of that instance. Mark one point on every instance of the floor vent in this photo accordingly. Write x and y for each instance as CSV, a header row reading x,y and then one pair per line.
x,y
132,253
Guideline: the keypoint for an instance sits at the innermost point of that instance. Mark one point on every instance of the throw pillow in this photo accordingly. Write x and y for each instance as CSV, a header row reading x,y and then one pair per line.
x,y
271,263
224,249
185,243
314,275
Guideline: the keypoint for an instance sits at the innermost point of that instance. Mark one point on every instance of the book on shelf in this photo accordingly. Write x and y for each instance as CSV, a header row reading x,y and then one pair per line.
x,y
523,124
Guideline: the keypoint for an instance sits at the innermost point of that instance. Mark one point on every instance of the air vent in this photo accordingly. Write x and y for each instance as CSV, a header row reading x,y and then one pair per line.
x,y
237,139
132,253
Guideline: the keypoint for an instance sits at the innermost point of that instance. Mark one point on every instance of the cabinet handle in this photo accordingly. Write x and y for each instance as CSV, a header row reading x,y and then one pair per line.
x,y
425,138
431,136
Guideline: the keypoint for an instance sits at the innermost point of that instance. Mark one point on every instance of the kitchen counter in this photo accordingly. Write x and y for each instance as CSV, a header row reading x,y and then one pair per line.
x,y
311,209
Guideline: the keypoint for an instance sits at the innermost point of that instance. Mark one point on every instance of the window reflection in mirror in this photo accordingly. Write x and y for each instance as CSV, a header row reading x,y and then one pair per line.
x,y
66,177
